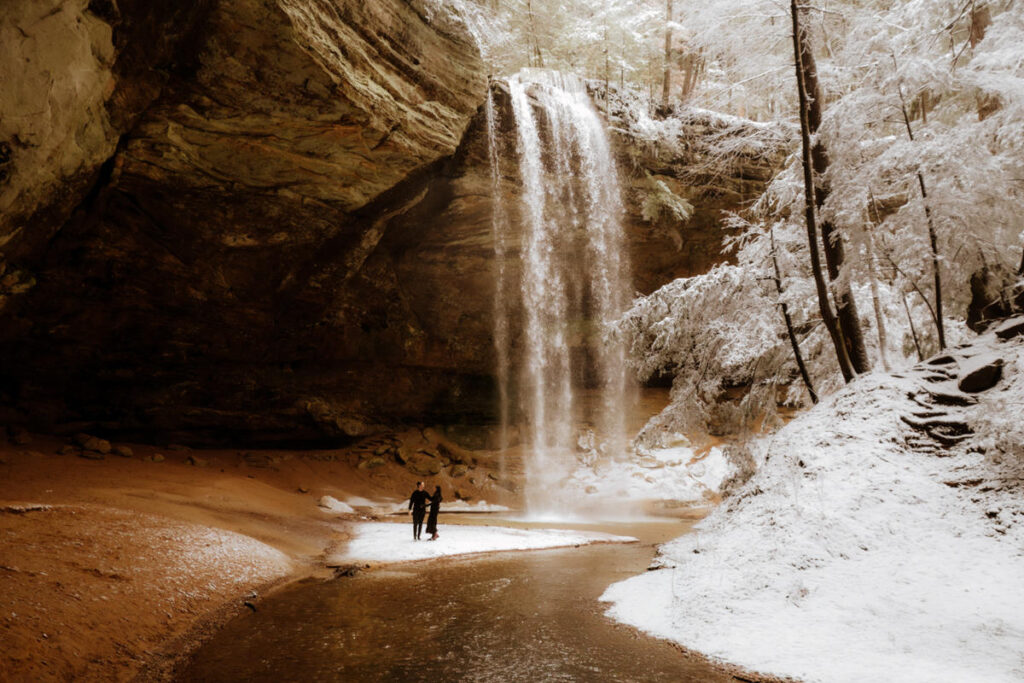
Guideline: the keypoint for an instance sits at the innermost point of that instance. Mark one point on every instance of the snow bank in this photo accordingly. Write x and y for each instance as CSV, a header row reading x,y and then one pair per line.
x,y
656,474
332,504
392,542
850,556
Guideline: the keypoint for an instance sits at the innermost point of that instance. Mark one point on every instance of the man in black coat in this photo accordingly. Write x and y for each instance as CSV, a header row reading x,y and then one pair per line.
x,y
418,506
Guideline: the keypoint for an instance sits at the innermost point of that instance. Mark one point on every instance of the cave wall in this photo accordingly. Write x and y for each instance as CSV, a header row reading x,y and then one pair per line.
x,y
262,220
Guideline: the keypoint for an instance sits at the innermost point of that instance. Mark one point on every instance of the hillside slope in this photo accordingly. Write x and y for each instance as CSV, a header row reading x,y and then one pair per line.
x,y
882,537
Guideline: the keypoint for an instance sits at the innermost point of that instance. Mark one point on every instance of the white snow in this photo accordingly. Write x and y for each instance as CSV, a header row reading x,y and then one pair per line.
x,y
393,507
676,474
478,506
850,556
392,542
332,504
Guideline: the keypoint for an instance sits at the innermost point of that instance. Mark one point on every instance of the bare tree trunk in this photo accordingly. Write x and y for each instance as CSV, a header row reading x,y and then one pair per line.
x,y
835,248
824,302
533,34
873,279
877,304
607,67
667,76
913,332
692,65
932,237
797,355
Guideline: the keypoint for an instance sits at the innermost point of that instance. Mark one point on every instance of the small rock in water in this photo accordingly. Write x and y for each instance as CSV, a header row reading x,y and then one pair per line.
x,y
303,489
69,450
123,451
196,461
156,457
459,470
92,455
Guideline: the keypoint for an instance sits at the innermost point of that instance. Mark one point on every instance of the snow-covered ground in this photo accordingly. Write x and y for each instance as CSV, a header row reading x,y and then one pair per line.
x,y
852,555
392,542
655,474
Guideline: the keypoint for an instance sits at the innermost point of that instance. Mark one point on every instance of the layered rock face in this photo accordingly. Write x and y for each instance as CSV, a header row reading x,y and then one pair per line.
x,y
258,220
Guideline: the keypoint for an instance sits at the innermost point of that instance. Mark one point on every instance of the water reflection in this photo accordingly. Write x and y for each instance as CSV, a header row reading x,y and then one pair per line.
x,y
528,616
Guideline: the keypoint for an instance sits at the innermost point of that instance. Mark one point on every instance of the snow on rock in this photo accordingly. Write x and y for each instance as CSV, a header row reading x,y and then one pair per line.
x,y
850,556
332,504
392,542
677,474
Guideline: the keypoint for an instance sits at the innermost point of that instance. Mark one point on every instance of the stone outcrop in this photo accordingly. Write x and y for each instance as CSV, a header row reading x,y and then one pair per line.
x,y
270,220
181,292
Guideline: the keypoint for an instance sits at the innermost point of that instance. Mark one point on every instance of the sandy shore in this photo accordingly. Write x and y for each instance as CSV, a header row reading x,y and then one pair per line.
x,y
114,568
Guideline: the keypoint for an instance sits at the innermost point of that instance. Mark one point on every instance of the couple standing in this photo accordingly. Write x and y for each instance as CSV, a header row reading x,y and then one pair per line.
x,y
418,505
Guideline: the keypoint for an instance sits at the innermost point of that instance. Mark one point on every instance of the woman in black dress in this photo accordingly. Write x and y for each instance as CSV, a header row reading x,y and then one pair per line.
x,y
435,507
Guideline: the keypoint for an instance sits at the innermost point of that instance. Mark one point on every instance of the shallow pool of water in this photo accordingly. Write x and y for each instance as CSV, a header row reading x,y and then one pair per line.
x,y
516,616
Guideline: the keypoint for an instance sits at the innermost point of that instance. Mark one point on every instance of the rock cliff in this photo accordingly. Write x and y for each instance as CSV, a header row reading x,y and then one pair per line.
x,y
268,220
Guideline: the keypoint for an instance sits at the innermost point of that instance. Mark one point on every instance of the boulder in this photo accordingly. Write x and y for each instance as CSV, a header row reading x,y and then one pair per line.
x,y
992,297
97,445
372,462
459,470
123,451
1010,329
982,378
423,465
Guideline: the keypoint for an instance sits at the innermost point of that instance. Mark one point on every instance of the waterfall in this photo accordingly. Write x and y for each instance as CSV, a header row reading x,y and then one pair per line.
x,y
574,278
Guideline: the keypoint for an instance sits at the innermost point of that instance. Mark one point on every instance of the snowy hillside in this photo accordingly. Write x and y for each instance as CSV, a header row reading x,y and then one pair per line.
x,y
882,537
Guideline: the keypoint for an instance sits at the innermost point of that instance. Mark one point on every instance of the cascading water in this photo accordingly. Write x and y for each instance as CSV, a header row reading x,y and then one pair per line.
x,y
574,278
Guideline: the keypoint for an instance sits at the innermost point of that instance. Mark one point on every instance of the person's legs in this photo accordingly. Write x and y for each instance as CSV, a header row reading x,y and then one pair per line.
x,y
417,525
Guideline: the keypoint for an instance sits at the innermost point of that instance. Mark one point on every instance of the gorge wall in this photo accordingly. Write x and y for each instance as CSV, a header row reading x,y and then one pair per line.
x,y
269,220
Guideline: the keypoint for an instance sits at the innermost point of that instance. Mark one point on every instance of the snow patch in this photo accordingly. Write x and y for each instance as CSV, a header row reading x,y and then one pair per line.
x,y
392,542
332,504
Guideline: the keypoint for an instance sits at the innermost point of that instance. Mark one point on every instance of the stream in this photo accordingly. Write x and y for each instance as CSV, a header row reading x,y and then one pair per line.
x,y
510,616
